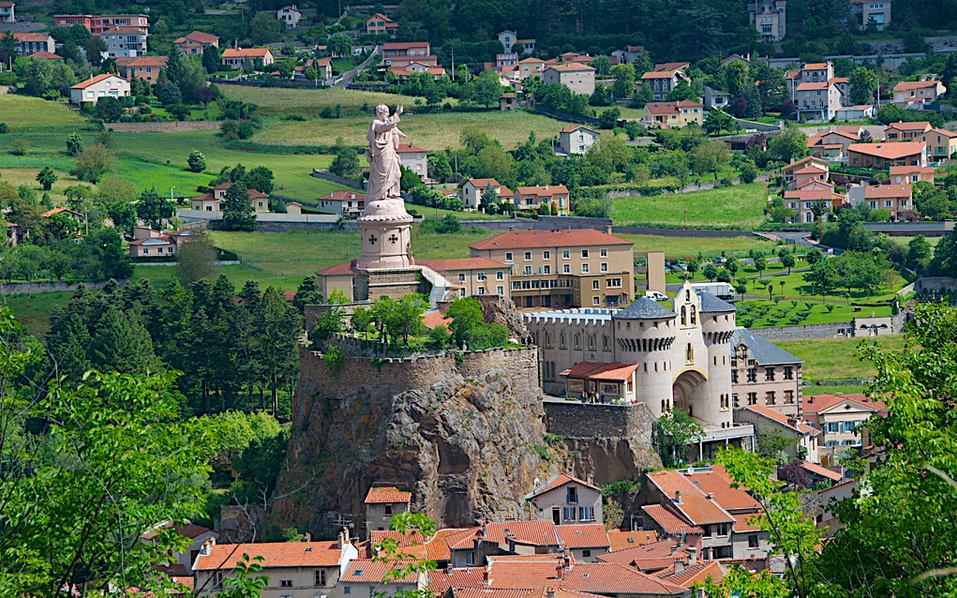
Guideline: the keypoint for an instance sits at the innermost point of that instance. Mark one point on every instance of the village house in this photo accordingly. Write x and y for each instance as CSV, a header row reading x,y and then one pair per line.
x,y
97,24
662,82
31,43
473,189
882,156
16,234
292,569
323,67
382,502
941,144
833,143
802,438
363,578
626,56
790,170
146,68
839,419
530,67
909,131
197,536
236,58
408,50
810,172
414,158
507,102
897,199
911,174
196,43
289,15
348,204
876,13
100,86
409,68
817,100
563,268
215,200
716,99
543,197
507,59
669,115
150,243
338,277
579,78
379,24
7,14
577,139
811,205
584,541
565,500
917,94
769,17
123,42
474,275
44,56
762,373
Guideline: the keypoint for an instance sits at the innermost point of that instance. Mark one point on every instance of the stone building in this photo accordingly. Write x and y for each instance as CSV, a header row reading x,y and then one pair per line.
x,y
566,500
763,374
382,502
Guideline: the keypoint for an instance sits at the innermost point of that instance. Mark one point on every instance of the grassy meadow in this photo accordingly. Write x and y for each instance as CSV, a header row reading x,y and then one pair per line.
x,y
709,247
835,358
740,206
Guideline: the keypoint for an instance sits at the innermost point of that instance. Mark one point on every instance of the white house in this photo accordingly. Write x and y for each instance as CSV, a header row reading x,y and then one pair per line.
x,y
6,12
577,139
414,158
100,86
564,500
347,204
289,15
124,42
473,189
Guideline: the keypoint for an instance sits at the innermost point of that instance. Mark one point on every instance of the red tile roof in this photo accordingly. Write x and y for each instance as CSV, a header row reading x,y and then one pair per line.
x,y
621,540
887,191
909,85
692,574
672,66
434,318
543,190
45,56
694,505
813,86
821,471
614,372
203,38
94,80
61,210
480,592
31,37
809,194
571,67
386,495
558,481
894,170
717,485
438,548
612,578
650,557
671,523
245,52
658,75
275,554
815,66
812,169
406,148
583,535
783,420
403,45
824,401
571,128
559,238
370,571
539,532
441,580
468,263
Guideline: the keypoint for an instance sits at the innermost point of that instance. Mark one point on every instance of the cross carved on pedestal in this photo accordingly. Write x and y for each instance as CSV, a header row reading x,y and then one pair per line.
x,y
393,239
372,239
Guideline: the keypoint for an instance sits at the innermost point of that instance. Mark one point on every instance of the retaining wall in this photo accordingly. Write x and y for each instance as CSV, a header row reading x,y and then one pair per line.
x,y
588,420
165,126
20,288
328,176
859,327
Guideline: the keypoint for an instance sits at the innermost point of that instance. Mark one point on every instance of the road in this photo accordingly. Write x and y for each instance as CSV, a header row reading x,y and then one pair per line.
x,y
346,79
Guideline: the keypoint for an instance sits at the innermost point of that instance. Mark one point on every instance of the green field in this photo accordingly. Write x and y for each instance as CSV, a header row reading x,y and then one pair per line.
x,y
796,288
835,359
22,113
310,101
33,311
740,206
686,247
433,131
758,313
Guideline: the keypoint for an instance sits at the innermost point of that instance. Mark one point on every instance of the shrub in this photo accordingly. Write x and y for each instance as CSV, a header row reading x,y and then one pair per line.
x,y
19,147
4,128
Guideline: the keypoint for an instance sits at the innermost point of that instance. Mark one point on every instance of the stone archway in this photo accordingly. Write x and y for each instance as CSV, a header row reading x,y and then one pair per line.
x,y
687,388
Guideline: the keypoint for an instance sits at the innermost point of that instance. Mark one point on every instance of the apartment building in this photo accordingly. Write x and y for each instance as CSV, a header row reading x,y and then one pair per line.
x,y
764,374
97,24
884,155
895,198
31,43
123,42
564,268
580,78
871,13
769,17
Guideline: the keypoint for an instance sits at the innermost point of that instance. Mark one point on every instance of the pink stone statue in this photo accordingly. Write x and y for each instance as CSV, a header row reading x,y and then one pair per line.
x,y
384,172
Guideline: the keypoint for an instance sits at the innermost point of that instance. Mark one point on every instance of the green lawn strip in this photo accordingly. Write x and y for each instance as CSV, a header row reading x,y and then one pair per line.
x,y
755,313
835,359
24,113
687,247
160,276
796,288
299,100
738,206
842,389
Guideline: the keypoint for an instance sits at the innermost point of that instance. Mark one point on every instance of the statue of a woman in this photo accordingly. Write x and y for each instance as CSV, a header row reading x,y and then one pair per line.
x,y
384,172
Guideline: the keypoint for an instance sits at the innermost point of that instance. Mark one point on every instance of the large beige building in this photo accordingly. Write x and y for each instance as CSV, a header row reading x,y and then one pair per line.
x,y
580,78
763,374
769,17
563,268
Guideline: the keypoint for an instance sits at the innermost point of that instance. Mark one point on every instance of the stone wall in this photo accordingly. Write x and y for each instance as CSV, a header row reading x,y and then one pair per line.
x,y
864,326
564,222
166,127
20,288
589,420
320,173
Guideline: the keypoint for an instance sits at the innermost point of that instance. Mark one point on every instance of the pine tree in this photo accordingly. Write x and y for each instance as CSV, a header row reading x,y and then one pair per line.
x,y
238,213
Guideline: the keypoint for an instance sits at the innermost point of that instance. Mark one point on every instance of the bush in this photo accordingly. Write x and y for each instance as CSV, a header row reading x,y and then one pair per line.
x,y
19,147
237,129
4,128
196,161
178,111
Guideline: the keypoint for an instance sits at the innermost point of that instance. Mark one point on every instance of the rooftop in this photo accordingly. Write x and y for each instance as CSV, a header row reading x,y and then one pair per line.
x,y
275,554
558,238
764,352
387,495
888,151
644,309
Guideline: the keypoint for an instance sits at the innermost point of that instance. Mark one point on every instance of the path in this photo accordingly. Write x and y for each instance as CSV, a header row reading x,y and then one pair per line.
x,y
346,78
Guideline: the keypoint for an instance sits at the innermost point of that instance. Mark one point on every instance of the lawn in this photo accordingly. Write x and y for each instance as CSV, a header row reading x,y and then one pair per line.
x,y
24,113
294,255
33,311
310,101
796,288
834,358
682,247
758,313
738,206
431,131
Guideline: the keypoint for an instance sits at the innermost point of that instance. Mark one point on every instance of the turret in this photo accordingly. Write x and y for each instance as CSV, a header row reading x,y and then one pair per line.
x,y
645,334
717,327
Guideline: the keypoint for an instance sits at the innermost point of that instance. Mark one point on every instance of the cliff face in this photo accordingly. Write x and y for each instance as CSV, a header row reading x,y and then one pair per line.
x,y
465,435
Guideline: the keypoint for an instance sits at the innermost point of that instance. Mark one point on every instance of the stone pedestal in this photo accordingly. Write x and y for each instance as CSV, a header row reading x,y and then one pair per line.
x,y
395,283
386,231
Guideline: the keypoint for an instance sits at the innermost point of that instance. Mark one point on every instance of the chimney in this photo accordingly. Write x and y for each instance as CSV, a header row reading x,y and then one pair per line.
x,y
692,555
207,547
590,479
678,497
674,548
608,229
550,593
679,566
567,562
711,496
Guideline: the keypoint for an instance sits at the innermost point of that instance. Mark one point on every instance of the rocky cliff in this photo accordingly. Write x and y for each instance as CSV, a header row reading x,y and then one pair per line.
x,y
465,433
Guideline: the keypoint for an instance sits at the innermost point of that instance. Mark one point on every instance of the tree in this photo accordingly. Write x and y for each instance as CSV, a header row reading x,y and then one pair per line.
x,y
277,330
693,265
123,215
346,162
196,259
211,59
196,161
266,28
822,277
682,91
95,47
340,44
153,208
73,144
624,75
760,264
736,79
361,320
787,260
671,434
710,271
109,109
94,162
609,118
260,179
749,172
710,157
918,254
307,294
490,199
19,146
601,64
169,94
238,213
788,145
718,120
643,95
486,89
863,83
178,111
46,177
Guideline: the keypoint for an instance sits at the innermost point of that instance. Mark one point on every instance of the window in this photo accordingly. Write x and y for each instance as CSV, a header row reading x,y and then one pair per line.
x,y
724,401
753,541
499,275
578,344
769,397
604,267
500,290
565,254
586,513
285,583
833,427
788,397
146,250
595,301
528,270
586,553
734,376
594,285
546,269
508,256
528,256
613,283
320,577
217,580
788,372
481,276
546,255
584,254
689,353
569,513
566,269
388,509
769,374
752,398
585,268
571,495
752,374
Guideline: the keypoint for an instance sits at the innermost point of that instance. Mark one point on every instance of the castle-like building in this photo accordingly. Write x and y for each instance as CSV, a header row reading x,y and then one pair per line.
x,y
668,359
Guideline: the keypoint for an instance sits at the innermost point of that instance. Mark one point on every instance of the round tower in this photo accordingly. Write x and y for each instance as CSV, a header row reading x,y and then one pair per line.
x,y
644,334
717,327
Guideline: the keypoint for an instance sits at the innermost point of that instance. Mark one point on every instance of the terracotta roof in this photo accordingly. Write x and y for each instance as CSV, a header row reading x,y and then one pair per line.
x,y
543,190
96,79
649,557
430,320
909,85
658,75
809,194
253,193
539,532
670,107
887,191
531,61
203,38
821,471
730,499
811,170
943,132
406,148
669,522
672,66
612,578
916,125
31,37
783,420
342,195
888,151
559,238
824,401
571,128
815,66
45,56
159,61
794,165
441,580
403,45
813,86
275,554
437,549
480,592
621,539
244,52
409,545
615,372
694,505
556,482
61,210
571,67
894,170
386,495
370,571
468,263
583,535
839,80
692,574
160,240
544,591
